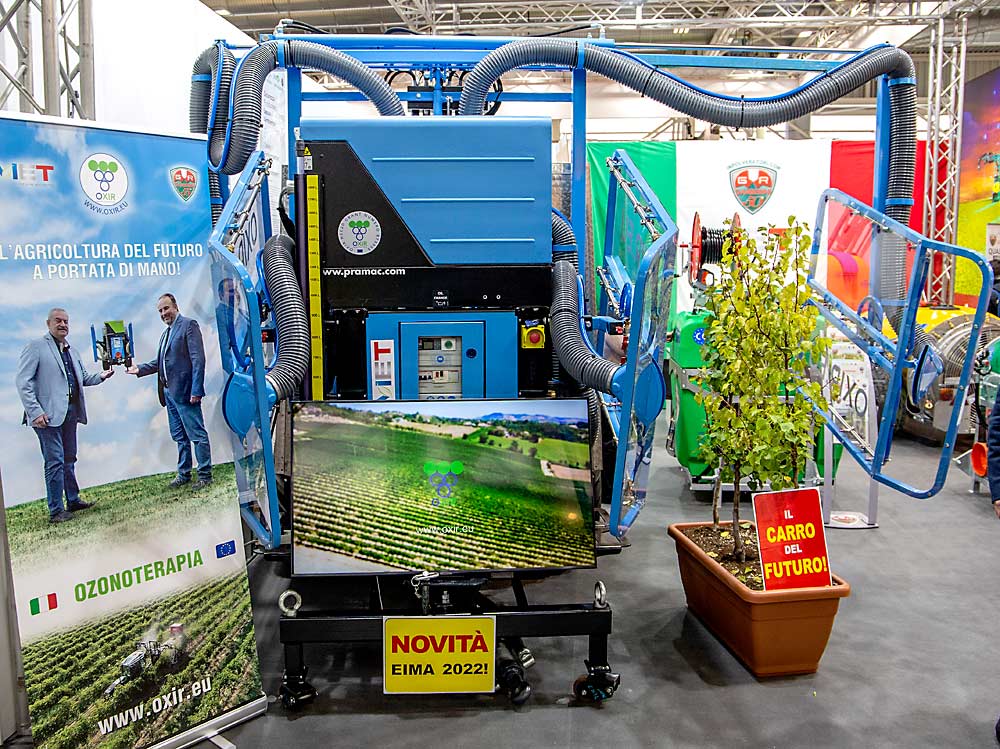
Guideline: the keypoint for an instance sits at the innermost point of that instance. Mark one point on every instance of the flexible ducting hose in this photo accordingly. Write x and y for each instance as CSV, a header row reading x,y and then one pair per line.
x,y
741,112
210,80
562,235
564,321
289,316
247,91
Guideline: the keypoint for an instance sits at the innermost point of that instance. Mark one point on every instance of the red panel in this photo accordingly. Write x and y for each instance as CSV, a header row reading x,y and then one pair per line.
x,y
852,164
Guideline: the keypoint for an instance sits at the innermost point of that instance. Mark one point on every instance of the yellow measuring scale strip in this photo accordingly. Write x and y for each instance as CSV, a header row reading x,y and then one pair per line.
x,y
315,298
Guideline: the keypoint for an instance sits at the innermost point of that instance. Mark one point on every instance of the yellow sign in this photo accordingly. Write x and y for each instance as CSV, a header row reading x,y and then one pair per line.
x,y
438,654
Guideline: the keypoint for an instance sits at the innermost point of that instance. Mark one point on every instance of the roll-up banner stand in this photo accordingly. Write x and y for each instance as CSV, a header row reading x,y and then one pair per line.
x,y
123,523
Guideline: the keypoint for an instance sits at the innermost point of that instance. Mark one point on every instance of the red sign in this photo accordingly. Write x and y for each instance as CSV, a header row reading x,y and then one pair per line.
x,y
791,539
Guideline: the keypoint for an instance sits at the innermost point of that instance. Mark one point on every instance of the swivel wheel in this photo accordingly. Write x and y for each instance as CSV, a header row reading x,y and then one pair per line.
x,y
512,682
596,686
295,693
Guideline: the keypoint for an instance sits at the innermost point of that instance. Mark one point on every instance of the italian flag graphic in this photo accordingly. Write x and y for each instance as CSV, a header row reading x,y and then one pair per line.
x,y
51,601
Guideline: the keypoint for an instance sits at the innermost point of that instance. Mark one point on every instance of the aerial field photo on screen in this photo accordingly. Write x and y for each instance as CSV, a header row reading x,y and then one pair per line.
x,y
441,486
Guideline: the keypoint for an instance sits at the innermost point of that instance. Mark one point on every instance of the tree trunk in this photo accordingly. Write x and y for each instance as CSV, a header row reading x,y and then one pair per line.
x,y
717,498
738,551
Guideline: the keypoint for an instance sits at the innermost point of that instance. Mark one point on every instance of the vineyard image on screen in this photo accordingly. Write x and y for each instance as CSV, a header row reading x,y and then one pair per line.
x,y
441,486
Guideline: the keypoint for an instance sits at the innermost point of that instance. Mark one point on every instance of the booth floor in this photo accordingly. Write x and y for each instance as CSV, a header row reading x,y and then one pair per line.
x,y
912,660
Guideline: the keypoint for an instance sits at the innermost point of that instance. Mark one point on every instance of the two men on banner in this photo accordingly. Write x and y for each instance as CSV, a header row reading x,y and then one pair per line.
x,y
50,380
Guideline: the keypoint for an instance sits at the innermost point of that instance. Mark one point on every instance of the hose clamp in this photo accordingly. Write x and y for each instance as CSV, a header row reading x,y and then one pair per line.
x,y
645,85
201,77
898,201
902,81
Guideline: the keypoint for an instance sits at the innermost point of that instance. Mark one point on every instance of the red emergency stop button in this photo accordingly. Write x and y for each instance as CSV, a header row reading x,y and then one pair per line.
x,y
533,337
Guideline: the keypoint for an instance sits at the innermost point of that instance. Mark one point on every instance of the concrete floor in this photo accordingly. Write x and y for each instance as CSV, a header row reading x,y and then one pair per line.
x,y
910,661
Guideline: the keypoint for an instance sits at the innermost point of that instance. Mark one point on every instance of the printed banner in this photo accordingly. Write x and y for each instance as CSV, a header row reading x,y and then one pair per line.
x,y
126,543
979,179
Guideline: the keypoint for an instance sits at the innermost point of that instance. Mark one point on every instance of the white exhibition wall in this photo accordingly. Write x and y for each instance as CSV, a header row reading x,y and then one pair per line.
x,y
143,54
802,172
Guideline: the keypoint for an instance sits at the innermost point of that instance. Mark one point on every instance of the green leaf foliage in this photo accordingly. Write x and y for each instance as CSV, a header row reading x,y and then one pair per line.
x,y
762,336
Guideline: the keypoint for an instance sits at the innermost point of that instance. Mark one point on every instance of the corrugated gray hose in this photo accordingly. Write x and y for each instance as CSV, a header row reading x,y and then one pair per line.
x,y
564,321
289,316
254,69
562,234
218,63
706,106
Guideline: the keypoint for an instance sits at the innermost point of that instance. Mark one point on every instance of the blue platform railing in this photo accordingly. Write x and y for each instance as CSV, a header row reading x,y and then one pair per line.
x,y
898,357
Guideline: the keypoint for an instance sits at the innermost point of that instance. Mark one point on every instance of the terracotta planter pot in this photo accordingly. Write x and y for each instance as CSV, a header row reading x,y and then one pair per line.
x,y
774,633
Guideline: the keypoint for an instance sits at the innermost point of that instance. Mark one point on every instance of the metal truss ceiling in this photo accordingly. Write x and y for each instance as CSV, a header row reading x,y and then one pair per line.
x,y
806,23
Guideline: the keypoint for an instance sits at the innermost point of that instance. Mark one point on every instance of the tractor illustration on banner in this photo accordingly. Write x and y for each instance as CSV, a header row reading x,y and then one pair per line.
x,y
148,651
115,346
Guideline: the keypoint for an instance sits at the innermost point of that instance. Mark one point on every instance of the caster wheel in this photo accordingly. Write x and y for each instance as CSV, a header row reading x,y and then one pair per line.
x,y
584,691
589,688
521,695
296,697
997,729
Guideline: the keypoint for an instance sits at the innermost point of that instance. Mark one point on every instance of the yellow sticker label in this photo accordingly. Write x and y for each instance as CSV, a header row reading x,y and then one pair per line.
x,y
438,654
315,296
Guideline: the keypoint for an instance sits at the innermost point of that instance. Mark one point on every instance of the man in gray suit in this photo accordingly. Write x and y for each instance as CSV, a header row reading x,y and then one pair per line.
x,y
50,381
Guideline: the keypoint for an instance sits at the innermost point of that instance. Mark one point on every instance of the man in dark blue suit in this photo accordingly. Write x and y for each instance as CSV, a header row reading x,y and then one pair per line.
x,y
179,367
993,468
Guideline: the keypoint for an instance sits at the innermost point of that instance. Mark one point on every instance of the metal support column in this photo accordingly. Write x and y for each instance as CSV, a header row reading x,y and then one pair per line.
x,y
946,86
578,202
88,110
25,68
50,57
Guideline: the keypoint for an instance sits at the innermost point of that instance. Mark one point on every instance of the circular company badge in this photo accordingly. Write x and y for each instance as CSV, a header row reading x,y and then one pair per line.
x,y
104,179
359,232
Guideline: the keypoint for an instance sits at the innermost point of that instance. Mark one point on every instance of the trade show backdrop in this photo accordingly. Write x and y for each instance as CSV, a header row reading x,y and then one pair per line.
x,y
134,617
764,182
979,177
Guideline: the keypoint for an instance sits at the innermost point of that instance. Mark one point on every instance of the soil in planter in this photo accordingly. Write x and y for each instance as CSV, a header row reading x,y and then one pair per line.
x,y
718,544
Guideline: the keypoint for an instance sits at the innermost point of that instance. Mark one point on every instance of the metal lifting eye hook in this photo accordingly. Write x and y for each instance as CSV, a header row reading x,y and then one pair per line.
x,y
600,595
420,580
290,602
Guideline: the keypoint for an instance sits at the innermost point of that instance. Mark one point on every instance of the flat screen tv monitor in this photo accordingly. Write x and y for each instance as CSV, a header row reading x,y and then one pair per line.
x,y
440,485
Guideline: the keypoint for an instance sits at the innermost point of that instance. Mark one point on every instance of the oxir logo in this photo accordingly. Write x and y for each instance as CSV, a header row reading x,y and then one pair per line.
x,y
359,232
104,181
443,478
753,183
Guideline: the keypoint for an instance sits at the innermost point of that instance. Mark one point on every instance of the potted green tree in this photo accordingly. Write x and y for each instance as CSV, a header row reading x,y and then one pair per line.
x,y
758,396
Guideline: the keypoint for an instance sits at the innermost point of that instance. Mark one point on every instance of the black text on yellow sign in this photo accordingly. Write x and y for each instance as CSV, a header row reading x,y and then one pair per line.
x,y
438,654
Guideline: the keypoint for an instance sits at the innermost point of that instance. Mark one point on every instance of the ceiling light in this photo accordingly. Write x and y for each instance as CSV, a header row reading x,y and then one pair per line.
x,y
224,12
804,34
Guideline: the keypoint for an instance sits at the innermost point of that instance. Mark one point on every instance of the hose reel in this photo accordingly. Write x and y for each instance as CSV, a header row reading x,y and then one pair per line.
x,y
706,249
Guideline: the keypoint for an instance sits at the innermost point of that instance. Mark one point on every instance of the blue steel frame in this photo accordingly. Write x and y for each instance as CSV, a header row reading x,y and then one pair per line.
x,y
644,346
895,356
435,54
259,400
